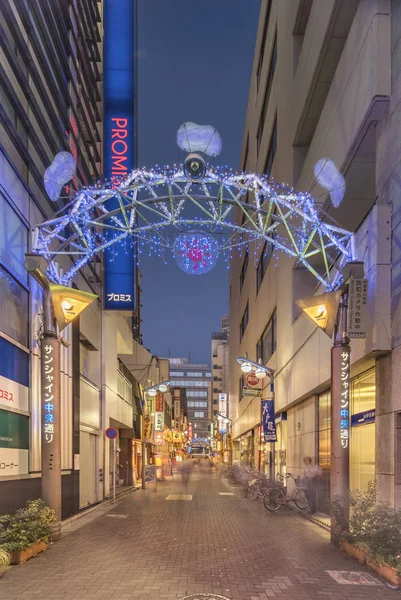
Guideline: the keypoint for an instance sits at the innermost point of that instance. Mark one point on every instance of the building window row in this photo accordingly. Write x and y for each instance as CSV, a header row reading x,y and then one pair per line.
x,y
188,383
196,393
199,415
197,404
266,346
177,373
244,321
269,83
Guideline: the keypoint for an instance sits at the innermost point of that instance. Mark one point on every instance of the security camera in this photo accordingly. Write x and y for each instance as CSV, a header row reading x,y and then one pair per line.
x,y
194,167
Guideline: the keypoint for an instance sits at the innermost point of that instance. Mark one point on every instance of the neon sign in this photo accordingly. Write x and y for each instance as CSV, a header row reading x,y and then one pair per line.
x,y
344,404
119,147
48,396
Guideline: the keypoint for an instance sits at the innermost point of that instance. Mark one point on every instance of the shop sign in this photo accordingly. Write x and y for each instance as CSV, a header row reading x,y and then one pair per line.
x,y
13,394
211,430
159,438
251,379
363,418
190,432
223,404
344,395
268,422
168,435
14,443
222,425
281,417
159,421
358,314
251,392
147,427
159,403
177,409
229,441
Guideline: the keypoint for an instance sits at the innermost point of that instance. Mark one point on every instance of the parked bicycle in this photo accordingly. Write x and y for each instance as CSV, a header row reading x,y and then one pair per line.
x,y
257,485
277,496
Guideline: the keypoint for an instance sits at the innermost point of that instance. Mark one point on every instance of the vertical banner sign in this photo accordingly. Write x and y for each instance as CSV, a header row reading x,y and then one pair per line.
x,y
344,400
119,142
51,421
223,404
190,432
177,409
340,420
358,313
268,422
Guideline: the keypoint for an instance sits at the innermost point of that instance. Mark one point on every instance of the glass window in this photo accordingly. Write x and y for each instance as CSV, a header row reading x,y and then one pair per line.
x,y
197,404
194,374
14,308
199,415
196,393
188,383
176,373
263,263
324,422
244,320
244,269
272,150
263,44
13,241
269,83
363,392
266,346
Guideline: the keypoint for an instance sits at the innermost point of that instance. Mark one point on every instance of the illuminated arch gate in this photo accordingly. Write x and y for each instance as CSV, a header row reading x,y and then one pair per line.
x,y
157,207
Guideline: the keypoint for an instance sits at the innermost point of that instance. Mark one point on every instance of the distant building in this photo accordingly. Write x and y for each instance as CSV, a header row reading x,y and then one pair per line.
x,y
197,381
225,324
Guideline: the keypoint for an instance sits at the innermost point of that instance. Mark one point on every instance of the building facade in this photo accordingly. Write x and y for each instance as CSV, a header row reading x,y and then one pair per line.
x,y
197,381
51,87
325,84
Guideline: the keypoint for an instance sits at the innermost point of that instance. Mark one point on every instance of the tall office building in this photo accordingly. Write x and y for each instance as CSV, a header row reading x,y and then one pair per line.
x,y
51,87
325,84
197,381
220,364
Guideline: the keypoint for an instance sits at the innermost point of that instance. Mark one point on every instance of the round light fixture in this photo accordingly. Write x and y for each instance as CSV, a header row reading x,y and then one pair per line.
x,y
246,367
163,388
260,373
151,392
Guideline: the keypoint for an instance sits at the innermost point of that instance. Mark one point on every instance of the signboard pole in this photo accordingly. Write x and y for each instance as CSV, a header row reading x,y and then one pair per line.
x,y
114,470
143,465
51,418
340,418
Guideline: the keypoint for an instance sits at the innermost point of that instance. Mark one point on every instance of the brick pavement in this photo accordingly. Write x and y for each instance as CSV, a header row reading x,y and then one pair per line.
x,y
163,550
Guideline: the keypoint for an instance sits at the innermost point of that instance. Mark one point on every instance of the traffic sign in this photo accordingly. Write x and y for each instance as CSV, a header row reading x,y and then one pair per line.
x,y
111,433
251,379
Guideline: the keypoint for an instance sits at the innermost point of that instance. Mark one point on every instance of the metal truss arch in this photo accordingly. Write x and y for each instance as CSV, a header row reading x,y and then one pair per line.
x,y
154,206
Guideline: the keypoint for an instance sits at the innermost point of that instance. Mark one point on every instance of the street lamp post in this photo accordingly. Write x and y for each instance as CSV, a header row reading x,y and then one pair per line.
x,y
248,366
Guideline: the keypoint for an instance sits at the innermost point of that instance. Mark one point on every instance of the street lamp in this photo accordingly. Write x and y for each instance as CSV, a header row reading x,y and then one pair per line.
x,y
261,371
160,387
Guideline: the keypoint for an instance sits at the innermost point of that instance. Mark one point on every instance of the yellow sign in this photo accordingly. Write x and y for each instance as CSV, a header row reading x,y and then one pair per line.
x,y
168,435
68,303
177,437
322,310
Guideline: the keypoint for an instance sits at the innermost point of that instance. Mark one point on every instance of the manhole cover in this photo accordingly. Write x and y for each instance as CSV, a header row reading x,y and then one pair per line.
x,y
204,597
353,578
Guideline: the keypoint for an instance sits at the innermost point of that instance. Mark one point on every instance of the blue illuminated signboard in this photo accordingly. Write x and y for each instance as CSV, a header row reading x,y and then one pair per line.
x,y
119,142
363,418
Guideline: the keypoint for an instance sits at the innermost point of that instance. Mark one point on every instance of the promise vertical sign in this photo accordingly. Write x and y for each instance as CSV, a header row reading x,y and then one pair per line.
x,y
119,142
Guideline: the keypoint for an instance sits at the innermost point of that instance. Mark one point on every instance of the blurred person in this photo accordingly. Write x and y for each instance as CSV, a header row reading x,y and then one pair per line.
x,y
312,474
186,470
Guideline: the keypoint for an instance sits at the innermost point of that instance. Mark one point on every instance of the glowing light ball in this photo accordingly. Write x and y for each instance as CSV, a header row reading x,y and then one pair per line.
x,y
196,253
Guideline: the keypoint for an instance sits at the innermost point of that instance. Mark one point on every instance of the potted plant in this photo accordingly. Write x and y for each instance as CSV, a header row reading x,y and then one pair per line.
x,y
25,533
4,561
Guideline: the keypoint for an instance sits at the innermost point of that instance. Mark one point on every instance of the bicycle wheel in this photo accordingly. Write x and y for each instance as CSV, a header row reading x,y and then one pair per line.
x,y
273,499
301,501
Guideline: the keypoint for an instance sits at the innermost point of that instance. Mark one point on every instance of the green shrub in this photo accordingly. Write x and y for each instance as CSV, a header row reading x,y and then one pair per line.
x,y
362,508
26,526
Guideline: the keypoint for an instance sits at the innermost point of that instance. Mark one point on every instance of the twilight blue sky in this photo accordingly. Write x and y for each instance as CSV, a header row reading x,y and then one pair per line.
x,y
194,64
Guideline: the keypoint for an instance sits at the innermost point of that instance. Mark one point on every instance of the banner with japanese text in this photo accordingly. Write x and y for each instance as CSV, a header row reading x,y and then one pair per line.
x,y
268,422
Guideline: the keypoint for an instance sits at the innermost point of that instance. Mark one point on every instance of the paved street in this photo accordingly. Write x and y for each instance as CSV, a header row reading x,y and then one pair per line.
x,y
149,548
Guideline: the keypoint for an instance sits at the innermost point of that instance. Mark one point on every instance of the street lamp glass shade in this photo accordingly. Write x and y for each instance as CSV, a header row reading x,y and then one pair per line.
x,y
246,367
152,392
260,373
163,388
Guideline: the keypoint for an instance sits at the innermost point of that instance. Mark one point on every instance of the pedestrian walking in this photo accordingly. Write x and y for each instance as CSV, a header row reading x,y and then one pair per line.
x,y
312,475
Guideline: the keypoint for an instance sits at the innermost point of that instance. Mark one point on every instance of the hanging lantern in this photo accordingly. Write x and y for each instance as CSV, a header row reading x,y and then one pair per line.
x,y
196,253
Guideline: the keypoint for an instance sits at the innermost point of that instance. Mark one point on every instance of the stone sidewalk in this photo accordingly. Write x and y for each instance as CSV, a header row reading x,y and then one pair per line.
x,y
150,548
